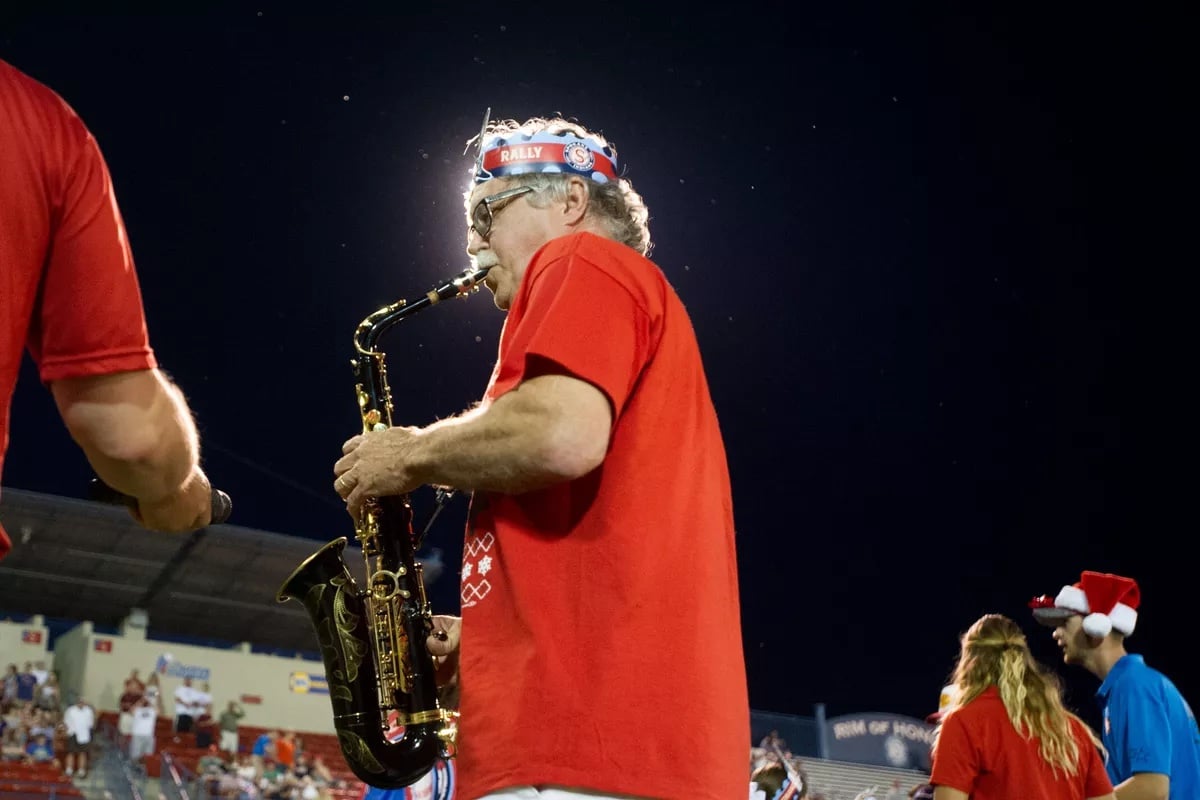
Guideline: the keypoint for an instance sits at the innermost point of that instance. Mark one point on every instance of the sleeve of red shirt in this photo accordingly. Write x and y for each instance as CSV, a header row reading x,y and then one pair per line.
x,y
955,762
581,321
90,319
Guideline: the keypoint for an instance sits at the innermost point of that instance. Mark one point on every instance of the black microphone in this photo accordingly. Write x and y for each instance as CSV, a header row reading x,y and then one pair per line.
x,y
101,492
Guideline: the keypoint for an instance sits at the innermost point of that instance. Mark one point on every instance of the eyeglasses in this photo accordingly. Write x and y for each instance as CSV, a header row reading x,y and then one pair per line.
x,y
485,211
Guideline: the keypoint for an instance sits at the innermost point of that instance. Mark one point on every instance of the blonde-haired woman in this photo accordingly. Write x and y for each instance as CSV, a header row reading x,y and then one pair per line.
x,y
1009,735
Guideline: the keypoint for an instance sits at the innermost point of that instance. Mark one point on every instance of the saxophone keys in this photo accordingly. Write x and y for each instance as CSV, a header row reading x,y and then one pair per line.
x,y
385,584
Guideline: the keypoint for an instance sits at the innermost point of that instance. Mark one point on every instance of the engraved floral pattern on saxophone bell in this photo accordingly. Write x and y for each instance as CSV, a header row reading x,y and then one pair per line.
x,y
327,641
358,751
353,649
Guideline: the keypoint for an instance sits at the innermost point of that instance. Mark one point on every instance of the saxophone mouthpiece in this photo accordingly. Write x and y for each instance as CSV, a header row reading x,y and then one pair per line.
x,y
462,284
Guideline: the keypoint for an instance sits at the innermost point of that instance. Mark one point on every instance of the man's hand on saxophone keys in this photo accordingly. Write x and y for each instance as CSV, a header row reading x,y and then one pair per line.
x,y
376,464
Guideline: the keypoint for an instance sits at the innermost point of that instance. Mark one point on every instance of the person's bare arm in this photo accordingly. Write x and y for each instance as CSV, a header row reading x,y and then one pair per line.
x,y
1144,786
137,432
549,429
948,793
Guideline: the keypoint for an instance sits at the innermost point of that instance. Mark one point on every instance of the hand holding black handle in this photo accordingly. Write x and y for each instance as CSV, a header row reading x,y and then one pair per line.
x,y
101,492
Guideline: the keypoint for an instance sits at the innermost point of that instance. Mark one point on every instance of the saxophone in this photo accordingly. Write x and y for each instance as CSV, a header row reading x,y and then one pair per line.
x,y
373,642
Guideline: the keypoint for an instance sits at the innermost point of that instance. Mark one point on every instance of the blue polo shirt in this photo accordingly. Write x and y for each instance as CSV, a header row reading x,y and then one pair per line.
x,y
1149,727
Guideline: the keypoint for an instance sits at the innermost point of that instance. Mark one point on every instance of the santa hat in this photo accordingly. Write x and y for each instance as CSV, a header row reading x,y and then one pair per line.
x,y
1106,602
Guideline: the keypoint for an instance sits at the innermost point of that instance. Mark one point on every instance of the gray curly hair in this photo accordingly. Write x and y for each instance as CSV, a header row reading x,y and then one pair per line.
x,y
615,204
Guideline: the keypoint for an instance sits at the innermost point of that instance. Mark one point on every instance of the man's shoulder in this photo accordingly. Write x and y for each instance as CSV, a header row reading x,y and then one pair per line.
x,y
589,252
1136,675
594,247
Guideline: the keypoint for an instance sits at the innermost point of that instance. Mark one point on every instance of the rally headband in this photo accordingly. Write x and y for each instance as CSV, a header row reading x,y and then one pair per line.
x,y
563,153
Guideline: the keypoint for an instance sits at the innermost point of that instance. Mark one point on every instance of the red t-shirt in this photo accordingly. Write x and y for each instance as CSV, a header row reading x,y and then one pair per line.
x,y
979,752
68,290
602,643
285,751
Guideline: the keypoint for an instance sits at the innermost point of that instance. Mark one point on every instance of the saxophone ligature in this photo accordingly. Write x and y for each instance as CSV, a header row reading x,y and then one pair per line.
x,y
373,640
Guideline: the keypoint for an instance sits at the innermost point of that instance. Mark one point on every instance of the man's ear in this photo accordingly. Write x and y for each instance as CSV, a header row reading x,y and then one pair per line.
x,y
578,198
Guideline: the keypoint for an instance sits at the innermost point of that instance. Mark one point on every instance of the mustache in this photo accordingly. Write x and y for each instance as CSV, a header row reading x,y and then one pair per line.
x,y
486,259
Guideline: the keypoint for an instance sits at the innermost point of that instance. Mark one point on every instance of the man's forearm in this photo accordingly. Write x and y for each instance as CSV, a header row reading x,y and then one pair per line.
x,y
549,429
135,429
497,449
1144,786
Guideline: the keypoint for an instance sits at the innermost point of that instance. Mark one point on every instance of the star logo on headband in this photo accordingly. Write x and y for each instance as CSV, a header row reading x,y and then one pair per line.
x,y
578,156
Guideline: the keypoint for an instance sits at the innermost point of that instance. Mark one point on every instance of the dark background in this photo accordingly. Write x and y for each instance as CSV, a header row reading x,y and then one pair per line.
x,y
897,229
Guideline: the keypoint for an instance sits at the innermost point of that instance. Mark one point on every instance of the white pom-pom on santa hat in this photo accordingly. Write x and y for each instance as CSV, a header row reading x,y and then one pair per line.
x,y
1107,602
1098,625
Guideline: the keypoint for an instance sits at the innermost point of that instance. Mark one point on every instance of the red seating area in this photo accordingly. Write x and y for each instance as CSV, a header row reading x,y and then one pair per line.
x,y
183,750
34,781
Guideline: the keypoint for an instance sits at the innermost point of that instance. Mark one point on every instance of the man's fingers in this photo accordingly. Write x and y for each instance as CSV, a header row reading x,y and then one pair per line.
x,y
354,501
344,485
351,444
439,646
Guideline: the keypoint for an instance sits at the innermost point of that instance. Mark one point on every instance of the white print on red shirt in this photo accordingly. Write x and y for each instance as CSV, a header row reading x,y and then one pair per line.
x,y
477,563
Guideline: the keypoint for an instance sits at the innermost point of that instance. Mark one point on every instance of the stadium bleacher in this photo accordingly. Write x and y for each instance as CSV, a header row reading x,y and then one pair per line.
x,y
842,780
184,751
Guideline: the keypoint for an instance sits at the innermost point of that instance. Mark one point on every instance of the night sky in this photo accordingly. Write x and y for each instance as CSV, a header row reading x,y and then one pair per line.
x,y
893,228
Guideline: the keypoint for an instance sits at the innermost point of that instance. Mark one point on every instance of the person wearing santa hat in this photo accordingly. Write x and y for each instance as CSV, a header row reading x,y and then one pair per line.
x,y
1149,729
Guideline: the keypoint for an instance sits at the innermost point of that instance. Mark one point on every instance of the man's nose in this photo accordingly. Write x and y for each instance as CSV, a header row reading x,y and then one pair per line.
x,y
475,242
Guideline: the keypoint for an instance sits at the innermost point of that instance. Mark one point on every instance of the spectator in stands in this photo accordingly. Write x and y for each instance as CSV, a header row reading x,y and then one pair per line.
x,y
40,672
154,694
11,751
11,713
246,769
79,720
321,771
9,694
1010,735
285,749
144,721
48,696
211,769
897,792
264,747
211,761
270,776
13,736
773,741
206,731
228,724
26,683
41,723
922,791
132,693
774,781
41,751
72,300
205,700
187,706
302,768
135,682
